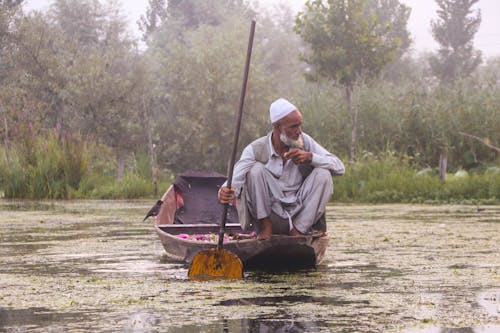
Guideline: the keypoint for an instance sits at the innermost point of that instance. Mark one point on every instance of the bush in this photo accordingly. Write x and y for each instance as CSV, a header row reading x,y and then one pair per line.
x,y
50,167
390,179
63,166
132,186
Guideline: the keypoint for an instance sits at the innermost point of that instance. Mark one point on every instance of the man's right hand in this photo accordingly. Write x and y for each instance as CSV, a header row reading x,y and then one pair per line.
x,y
226,195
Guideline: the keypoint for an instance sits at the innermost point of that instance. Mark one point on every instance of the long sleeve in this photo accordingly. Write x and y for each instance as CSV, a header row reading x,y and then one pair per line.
x,y
322,158
246,161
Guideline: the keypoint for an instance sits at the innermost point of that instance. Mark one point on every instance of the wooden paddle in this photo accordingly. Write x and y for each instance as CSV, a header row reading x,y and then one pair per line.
x,y
217,263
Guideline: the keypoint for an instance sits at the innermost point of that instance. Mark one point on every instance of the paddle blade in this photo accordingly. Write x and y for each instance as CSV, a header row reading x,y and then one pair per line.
x,y
215,264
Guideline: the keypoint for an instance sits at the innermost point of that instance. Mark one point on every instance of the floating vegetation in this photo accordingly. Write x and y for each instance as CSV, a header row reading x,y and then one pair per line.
x,y
94,265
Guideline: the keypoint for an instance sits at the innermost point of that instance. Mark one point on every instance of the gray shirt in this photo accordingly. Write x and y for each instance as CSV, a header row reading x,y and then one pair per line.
x,y
288,173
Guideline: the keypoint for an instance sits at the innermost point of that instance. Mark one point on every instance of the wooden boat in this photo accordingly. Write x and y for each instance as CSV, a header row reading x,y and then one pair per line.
x,y
175,222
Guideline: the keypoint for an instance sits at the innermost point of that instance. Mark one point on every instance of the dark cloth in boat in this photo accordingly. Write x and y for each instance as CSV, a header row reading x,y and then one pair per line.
x,y
198,190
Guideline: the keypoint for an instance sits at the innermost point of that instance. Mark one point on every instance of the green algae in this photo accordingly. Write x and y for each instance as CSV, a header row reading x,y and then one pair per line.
x,y
389,268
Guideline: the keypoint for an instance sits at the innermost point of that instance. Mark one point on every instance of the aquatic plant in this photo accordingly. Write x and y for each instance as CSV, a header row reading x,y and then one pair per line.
x,y
392,179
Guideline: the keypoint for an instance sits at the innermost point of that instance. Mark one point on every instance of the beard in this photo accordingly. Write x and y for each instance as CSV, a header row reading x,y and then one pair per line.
x,y
299,143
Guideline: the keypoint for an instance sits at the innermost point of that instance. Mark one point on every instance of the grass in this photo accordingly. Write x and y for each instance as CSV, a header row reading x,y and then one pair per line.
x,y
68,167
391,179
65,166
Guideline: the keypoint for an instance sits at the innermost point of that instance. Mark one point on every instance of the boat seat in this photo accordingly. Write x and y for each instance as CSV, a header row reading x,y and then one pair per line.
x,y
200,202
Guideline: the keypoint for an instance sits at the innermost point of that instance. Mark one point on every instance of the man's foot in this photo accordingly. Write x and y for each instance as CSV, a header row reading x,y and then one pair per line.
x,y
266,229
295,232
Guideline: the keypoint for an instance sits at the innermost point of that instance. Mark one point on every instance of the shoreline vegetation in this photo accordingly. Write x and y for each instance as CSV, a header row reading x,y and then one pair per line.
x,y
64,166
88,111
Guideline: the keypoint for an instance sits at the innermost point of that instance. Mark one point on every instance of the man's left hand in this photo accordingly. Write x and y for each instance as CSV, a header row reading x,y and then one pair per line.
x,y
298,156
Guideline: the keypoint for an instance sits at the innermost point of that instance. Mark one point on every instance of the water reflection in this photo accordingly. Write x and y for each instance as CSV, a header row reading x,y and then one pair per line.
x,y
26,205
142,322
147,321
95,267
290,299
37,317
260,325
490,301
268,326
485,329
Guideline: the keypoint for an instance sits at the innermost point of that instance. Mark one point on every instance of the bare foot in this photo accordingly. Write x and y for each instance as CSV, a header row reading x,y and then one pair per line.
x,y
266,229
295,232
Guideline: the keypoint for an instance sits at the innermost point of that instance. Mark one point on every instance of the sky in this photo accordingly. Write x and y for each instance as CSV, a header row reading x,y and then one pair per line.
x,y
487,38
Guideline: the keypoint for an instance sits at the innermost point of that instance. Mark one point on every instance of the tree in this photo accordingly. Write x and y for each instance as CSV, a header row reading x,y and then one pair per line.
x,y
197,55
282,49
202,74
149,24
454,30
456,58
9,12
102,74
81,21
155,14
79,63
348,45
182,16
394,14
210,12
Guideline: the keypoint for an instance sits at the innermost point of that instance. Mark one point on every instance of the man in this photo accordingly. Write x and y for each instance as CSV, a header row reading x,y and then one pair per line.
x,y
282,181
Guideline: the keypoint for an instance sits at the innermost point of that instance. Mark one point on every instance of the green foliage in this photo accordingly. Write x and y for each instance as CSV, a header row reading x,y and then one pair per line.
x,y
325,116
348,41
411,120
64,166
75,65
454,31
142,165
132,186
206,70
14,180
155,14
45,167
390,179
9,13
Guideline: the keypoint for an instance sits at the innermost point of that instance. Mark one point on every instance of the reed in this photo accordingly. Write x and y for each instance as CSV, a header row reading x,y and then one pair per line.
x,y
58,166
392,179
44,167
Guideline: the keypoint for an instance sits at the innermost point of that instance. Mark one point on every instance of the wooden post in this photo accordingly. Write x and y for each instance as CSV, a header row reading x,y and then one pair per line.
x,y
353,112
5,134
443,164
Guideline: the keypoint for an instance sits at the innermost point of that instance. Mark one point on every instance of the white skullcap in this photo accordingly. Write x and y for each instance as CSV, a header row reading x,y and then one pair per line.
x,y
279,109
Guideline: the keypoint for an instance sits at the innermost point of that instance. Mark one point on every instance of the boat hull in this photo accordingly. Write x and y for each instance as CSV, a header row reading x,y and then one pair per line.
x,y
277,253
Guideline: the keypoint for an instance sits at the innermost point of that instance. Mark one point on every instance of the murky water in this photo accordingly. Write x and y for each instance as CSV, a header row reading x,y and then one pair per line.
x,y
93,266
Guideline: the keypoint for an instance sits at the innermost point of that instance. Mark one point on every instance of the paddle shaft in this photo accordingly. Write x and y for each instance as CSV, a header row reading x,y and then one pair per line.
x,y
236,133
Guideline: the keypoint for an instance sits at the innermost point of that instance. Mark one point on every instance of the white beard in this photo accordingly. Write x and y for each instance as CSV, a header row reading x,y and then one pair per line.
x,y
299,143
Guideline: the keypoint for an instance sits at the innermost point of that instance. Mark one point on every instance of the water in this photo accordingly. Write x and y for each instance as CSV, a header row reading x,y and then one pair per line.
x,y
93,266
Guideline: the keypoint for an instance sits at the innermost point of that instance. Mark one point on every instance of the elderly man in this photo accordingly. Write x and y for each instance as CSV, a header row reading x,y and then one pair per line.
x,y
282,181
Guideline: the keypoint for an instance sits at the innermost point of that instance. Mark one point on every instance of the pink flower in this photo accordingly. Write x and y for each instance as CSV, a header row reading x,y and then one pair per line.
x,y
201,237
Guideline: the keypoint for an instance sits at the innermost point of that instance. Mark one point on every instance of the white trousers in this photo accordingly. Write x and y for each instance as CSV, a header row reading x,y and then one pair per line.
x,y
266,199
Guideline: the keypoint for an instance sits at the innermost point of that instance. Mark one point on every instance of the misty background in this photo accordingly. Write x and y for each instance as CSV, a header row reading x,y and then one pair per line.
x,y
94,104
487,38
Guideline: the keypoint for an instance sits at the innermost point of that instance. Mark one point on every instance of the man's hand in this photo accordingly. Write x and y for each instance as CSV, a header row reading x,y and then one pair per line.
x,y
298,156
226,195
